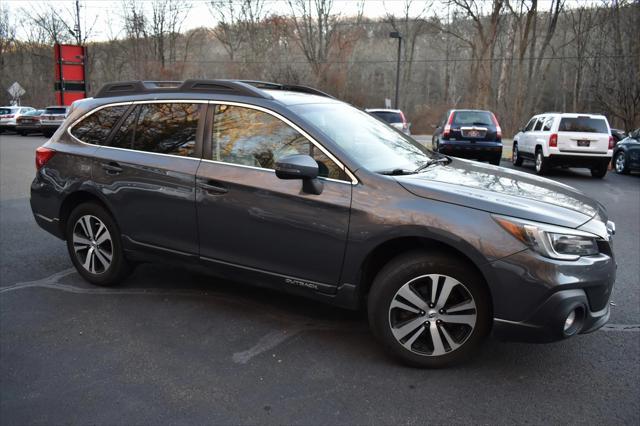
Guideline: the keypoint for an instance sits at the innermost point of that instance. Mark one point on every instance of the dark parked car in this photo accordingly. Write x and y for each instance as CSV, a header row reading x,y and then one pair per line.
x,y
626,155
290,189
618,135
52,118
29,123
469,133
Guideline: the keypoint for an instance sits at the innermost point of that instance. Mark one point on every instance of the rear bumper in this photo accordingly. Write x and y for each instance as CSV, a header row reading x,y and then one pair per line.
x,y
472,150
578,160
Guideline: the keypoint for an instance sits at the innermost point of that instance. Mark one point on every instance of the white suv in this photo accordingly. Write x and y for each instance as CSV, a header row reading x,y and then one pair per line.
x,y
565,139
10,114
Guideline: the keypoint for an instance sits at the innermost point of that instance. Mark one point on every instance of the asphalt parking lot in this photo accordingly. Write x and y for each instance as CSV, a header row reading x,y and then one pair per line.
x,y
172,346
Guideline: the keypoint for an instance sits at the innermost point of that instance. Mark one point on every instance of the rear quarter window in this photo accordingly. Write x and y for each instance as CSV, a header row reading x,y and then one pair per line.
x,y
95,128
583,124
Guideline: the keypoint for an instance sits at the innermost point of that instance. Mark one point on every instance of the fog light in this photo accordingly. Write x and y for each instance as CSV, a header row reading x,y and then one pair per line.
x,y
568,323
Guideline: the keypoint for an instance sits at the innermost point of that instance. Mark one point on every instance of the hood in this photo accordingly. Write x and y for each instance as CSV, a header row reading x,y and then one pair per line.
x,y
504,191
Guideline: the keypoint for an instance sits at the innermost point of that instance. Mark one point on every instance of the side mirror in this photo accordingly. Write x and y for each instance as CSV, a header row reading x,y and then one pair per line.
x,y
303,167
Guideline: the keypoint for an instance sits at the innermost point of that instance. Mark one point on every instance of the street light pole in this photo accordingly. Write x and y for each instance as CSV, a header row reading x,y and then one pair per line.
x,y
396,34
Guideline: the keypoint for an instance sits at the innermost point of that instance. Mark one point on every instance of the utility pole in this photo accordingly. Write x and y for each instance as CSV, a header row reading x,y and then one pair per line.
x,y
78,32
397,35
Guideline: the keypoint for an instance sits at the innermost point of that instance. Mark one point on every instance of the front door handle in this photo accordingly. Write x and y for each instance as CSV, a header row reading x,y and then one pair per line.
x,y
212,189
112,167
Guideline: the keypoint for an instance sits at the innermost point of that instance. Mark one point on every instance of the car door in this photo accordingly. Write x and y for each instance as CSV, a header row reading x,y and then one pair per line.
x,y
147,174
249,218
527,136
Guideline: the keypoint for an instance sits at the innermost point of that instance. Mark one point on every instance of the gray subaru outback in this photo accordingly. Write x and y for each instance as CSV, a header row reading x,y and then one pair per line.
x,y
285,187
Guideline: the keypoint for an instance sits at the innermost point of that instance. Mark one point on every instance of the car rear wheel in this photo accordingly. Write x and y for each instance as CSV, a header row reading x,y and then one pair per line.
x,y
93,242
600,171
542,164
496,161
515,156
429,310
620,163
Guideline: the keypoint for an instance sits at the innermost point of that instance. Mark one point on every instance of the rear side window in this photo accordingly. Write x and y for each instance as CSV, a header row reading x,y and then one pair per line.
x,y
472,118
169,128
254,138
583,124
388,116
96,128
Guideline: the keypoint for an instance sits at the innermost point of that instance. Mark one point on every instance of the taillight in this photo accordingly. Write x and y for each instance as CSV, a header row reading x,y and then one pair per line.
x,y
42,156
9,116
447,128
498,129
553,140
612,143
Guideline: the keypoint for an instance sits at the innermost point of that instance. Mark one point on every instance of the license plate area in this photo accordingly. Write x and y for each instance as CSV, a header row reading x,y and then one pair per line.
x,y
584,143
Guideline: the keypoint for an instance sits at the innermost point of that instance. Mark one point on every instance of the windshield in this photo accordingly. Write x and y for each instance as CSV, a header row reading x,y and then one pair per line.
x,y
583,124
464,118
372,144
388,116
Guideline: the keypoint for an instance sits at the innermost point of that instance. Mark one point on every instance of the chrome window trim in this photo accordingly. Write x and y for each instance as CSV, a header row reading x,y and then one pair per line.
x,y
270,170
354,179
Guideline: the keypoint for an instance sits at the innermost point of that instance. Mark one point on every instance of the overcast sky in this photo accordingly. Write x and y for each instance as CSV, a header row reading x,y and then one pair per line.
x,y
104,16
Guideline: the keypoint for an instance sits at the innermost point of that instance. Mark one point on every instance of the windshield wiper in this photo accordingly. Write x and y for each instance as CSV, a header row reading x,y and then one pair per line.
x,y
442,160
396,172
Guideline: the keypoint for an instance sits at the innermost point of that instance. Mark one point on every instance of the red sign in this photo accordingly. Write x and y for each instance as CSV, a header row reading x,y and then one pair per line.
x,y
70,73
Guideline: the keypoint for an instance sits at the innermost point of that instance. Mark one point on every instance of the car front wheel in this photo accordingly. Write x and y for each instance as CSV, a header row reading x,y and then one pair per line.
x,y
620,163
429,310
93,242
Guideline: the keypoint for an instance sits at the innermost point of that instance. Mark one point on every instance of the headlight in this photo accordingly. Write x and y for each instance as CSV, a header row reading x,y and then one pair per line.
x,y
551,241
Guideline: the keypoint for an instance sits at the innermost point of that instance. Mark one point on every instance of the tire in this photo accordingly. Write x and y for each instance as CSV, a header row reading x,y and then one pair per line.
x,y
48,133
434,145
600,171
516,159
417,271
22,133
495,161
620,164
89,255
541,163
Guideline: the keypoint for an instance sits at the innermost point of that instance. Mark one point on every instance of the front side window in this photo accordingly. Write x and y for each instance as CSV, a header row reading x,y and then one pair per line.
x,y
95,128
530,125
164,128
538,124
370,143
254,138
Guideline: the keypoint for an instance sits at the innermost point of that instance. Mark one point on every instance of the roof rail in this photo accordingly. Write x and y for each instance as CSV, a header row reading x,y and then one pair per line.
x,y
289,87
126,88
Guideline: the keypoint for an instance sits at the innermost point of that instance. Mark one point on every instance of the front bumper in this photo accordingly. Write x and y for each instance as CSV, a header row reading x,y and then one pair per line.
x,y
547,324
534,295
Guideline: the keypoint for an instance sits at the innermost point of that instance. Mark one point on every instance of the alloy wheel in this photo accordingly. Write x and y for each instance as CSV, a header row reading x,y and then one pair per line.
x,y
620,162
539,161
514,154
92,244
432,315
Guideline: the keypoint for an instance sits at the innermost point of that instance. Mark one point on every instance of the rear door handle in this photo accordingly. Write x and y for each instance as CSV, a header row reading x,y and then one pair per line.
x,y
112,167
216,189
